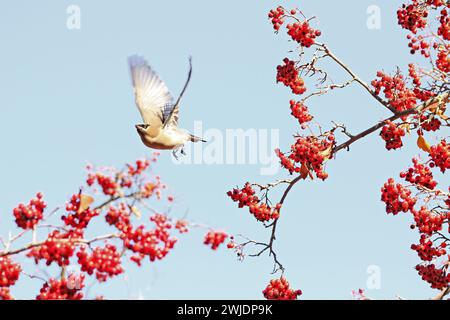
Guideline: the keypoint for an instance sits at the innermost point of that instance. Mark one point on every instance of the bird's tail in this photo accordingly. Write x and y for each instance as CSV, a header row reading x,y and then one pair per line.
x,y
195,138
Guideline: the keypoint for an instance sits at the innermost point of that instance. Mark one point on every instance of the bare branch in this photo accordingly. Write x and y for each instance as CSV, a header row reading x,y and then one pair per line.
x,y
357,79
442,294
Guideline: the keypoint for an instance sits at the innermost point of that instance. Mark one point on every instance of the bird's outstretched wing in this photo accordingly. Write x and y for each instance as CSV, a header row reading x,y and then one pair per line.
x,y
170,113
151,93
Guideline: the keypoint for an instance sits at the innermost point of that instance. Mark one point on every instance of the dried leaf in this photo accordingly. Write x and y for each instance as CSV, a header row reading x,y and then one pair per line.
x,y
327,153
438,102
441,114
423,144
85,202
136,211
304,171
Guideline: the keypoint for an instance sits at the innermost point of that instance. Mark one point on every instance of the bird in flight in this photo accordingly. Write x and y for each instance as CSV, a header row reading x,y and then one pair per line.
x,y
157,108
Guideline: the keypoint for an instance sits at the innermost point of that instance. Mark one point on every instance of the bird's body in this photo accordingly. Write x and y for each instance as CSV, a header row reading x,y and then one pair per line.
x,y
160,128
166,139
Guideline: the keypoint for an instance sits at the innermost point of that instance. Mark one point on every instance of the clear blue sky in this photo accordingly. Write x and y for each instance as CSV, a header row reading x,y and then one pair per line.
x,y
67,100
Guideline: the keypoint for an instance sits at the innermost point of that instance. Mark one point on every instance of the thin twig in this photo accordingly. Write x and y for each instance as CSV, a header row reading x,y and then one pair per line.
x,y
357,79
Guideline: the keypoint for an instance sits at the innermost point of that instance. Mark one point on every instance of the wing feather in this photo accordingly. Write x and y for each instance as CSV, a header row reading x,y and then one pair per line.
x,y
151,93
171,112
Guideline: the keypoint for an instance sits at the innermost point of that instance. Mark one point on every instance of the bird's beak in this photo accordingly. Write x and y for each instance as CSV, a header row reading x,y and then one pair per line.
x,y
141,128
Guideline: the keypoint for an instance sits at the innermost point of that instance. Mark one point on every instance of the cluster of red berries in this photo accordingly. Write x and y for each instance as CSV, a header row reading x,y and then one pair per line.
x,y
126,181
276,17
440,155
300,31
436,3
413,16
182,226
119,217
155,243
105,262
300,112
429,122
286,162
426,250
9,272
444,28
313,152
289,76
419,174
419,44
215,239
423,95
108,184
112,182
111,185
443,61
438,278
395,90
279,289
5,294
396,197
429,222
303,33
61,290
414,75
392,135
309,152
77,218
58,247
139,168
246,198
28,216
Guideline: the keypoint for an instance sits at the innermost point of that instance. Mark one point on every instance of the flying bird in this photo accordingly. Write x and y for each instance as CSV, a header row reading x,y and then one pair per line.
x,y
157,108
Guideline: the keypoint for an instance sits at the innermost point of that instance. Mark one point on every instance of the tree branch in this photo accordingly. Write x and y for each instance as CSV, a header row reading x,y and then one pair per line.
x,y
269,246
398,115
75,241
356,78
34,242
442,294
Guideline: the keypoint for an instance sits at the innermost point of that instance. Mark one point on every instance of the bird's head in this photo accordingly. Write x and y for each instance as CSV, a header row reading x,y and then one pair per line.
x,y
147,131
142,128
